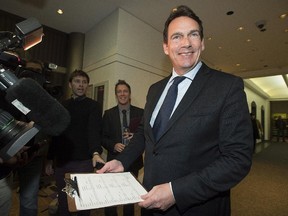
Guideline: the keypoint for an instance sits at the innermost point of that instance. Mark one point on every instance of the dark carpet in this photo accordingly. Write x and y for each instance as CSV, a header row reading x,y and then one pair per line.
x,y
264,192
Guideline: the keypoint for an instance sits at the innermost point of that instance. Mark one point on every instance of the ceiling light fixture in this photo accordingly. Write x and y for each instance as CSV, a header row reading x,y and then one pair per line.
x,y
283,16
60,11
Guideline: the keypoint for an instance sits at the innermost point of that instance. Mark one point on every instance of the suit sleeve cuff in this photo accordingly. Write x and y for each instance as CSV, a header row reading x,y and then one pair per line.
x,y
172,190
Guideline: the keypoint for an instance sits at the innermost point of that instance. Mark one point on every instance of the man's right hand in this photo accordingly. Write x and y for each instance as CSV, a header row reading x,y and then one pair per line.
x,y
49,170
19,159
119,147
111,166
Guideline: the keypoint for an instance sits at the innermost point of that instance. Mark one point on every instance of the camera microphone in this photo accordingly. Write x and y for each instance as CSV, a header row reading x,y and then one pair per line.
x,y
38,105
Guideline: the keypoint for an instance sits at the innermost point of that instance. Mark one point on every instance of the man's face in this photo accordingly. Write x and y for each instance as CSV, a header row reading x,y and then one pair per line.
x,y
184,44
79,86
123,95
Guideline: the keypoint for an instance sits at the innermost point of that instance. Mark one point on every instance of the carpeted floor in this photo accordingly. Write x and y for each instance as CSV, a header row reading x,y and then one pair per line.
x,y
264,192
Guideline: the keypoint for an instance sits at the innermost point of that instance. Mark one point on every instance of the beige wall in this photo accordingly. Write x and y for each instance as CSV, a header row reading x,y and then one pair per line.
x,y
123,47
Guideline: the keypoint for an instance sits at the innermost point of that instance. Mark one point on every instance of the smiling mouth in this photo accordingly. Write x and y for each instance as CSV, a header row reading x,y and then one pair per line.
x,y
186,53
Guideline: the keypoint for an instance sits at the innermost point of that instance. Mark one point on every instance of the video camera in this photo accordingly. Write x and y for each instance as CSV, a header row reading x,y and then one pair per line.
x,y
34,69
24,88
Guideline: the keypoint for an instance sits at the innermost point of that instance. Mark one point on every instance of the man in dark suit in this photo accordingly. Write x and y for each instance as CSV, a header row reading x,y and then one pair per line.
x,y
119,124
206,147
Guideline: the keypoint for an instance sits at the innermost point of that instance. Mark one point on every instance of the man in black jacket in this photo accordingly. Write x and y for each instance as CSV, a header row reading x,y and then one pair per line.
x,y
78,148
119,124
205,146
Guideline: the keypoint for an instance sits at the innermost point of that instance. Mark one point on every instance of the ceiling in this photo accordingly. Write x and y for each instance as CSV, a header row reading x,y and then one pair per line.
x,y
227,48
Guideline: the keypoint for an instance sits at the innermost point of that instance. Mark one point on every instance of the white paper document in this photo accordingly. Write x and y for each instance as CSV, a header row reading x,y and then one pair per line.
x,y
107,189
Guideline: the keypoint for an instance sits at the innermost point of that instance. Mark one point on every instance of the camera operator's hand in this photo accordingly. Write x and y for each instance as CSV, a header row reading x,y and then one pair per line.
x,y
11,162
49,170
20,159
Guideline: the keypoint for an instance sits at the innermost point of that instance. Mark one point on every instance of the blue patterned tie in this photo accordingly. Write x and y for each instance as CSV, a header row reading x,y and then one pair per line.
x,y
166,108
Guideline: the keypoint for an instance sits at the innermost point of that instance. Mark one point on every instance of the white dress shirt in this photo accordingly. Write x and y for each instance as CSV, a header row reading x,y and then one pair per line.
x,y
182,88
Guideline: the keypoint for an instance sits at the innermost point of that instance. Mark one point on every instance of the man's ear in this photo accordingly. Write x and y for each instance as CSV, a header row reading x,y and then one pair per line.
x,y
202,45
165,48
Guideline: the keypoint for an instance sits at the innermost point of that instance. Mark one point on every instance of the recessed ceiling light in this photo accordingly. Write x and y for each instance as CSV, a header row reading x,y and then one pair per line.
x,y
283,16
60,11
238,65
209,38
248,40
241,28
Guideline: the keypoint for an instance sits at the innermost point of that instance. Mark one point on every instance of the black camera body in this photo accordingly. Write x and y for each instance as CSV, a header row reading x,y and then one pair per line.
x,y
14,134
24,90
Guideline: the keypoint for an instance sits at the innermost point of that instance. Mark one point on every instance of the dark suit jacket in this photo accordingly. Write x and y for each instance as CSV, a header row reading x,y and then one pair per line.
x,y
112,132
206,149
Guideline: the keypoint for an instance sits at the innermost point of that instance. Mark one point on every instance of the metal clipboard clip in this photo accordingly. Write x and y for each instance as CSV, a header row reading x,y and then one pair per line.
x,y
71,188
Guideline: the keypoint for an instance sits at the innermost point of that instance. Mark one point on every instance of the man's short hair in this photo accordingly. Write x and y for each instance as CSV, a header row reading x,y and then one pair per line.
x,y
122,82
78,73
181,11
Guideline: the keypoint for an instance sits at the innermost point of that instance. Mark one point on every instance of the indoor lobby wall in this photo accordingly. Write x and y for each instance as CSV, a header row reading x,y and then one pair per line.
x,y
123,47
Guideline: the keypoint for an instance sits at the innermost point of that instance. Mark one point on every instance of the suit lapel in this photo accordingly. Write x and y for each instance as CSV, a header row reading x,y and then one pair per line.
x,y
153,99
117,123
192,92
133,112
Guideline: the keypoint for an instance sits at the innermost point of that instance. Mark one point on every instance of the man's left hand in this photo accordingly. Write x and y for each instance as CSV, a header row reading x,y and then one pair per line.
x,y
97,158
160,197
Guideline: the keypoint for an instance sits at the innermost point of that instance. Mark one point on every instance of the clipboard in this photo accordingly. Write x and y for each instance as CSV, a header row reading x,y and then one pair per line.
x,y
103,190
71,200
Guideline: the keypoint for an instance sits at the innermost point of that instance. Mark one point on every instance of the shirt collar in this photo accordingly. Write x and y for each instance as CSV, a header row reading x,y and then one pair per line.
x,y
190,74
79,98
127,107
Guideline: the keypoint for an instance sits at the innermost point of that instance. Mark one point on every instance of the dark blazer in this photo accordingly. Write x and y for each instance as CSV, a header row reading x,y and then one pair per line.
x,y
112,132
206,149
